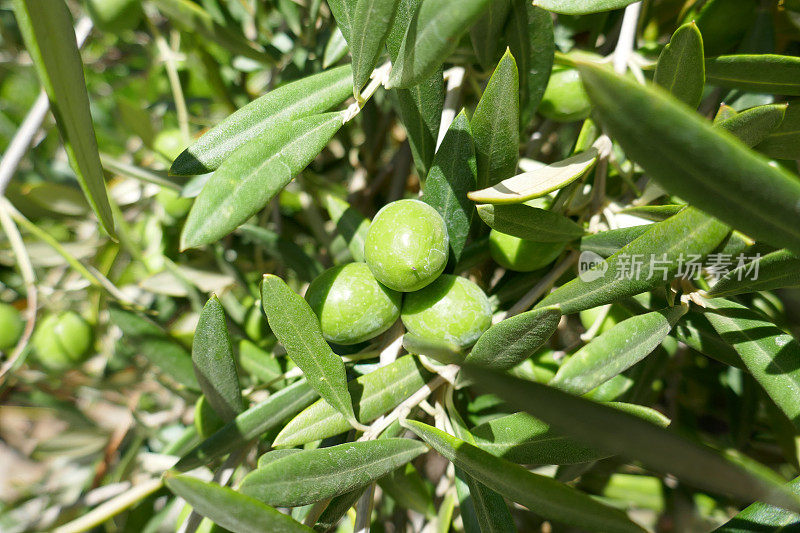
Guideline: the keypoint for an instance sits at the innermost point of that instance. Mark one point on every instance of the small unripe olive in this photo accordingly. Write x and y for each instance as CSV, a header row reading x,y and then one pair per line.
x,y
407,245
452,309
62,341
565,100
206,420
255,324
11,326
351,304
175,205
115,15
520,255
169,143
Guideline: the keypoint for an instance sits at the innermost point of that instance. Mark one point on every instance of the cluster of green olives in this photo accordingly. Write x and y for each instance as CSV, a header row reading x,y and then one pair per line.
x,y
406,251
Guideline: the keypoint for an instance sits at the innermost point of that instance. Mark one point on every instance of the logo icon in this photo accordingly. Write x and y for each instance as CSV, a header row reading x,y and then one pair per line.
x,y
591,266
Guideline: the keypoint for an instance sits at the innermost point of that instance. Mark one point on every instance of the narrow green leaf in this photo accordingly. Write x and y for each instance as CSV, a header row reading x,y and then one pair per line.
x,y
335,49
511,341
784,142
451,177
273,455
616,350
681,68
723,23
442,351
227,508
344,13
313,475
336,509
688,232
538,182
431,36
214,365
532,223
547,497
656,448
374,394
609,242
703,165
656,213
249,425
283,250
351,225
724,113
485,33
49,37
697,333
406,487
253,175
770,354
150,340
753,125
761,517
495,124
581,7
301,98
371,24
772,271
420,106
532,42
761,73
297,328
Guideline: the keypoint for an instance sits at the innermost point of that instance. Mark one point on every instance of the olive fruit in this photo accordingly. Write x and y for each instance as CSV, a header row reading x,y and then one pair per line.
x,y
169,143
206,420
615,315
520,255
175,205
452,309
564,99
62,340
11,326
407,245
351,304
115,15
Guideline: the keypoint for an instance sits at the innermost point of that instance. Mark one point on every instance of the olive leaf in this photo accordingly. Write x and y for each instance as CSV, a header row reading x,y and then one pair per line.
x,y
442,351
50,39
707,167
531,39
772,271
272,455
248,425
253,175
616,350
372,20
551,499
784,142
656,213
723,23
762,73
301,98
609,242
297,328
495,124
754,125
419,106
406,486
486,31
344,13
697,333
680,68
150,340
335,49
538,182
351,225
581,7
431,36
688,232
532,223
451,177
375,393
658,449
769,353
230,509
284,250
336,509
313,475
763,517
515,339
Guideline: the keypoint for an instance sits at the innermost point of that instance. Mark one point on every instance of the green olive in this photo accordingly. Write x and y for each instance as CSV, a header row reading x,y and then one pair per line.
x,y
565,100
351,304
11,326
452,309
616,314
175,205
169,143
407,245
255,324
62,341
115,15
520,255
206,420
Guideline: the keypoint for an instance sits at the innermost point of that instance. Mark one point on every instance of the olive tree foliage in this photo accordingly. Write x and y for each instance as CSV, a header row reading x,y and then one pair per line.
x,y
411,265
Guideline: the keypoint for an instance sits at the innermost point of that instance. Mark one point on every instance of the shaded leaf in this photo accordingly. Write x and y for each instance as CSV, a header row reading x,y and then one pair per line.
x,y
532,42
681,68
230,509
335,49
772,271
754,125
313,475
301,98
531,223
656,213
407,488
442,351
784,142
761,73
372,20
336,509
351,225
50,39
609,242
547,497
581,7
283,250
697,333
701,164
485,33
253,175
451,177
344,13
214,365
761,517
